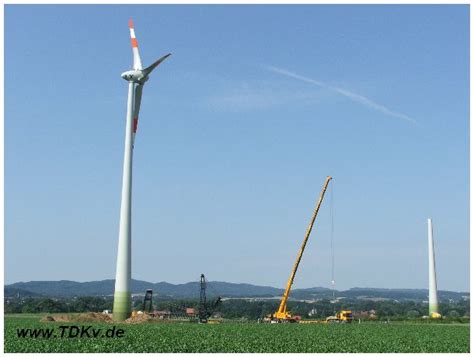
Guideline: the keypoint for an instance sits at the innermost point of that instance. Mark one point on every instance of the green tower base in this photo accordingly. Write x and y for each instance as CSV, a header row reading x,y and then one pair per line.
x,y
122,306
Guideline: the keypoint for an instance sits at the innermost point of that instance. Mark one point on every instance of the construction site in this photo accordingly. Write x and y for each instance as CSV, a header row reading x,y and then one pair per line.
x,y
207,309
203,314
249,123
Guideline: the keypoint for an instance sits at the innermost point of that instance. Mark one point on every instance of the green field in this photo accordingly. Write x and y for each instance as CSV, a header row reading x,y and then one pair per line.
x,y
251,337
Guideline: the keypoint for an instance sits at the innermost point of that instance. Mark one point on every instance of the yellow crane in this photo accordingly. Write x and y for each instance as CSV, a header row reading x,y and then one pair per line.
x,y
282,315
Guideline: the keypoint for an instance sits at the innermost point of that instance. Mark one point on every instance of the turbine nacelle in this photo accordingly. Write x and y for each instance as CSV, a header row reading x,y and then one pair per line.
x,y
135,75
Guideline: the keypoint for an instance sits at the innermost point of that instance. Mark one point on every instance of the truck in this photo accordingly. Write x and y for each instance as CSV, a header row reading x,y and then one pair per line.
x,y
343,316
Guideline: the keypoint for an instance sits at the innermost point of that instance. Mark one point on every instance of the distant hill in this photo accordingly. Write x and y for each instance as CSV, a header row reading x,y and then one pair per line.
x,y
375,294
66,288
14,292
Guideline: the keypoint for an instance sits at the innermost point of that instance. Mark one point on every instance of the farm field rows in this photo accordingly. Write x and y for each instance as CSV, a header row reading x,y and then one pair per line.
x,y
251,337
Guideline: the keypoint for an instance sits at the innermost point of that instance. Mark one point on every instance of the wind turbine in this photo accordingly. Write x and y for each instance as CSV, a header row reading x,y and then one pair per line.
x,y
136,79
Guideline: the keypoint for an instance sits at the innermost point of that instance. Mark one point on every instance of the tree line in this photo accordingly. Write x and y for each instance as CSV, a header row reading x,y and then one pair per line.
x,y
244,309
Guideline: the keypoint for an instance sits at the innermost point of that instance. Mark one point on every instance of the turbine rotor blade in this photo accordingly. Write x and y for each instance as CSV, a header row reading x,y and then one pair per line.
x,y
149,69
137,63
136,109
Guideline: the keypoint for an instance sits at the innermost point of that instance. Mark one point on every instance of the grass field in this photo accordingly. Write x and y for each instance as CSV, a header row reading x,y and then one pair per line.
x,y
251,337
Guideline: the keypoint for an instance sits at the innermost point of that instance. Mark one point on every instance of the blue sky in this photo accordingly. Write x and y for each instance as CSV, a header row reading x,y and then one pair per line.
x,y
238,130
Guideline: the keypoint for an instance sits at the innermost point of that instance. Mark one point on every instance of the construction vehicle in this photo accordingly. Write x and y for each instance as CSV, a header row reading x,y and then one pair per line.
x,y
282,315
344,316
206,309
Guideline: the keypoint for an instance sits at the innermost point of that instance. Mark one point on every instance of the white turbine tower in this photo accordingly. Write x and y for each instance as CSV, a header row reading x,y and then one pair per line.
x,y
136,78
433,291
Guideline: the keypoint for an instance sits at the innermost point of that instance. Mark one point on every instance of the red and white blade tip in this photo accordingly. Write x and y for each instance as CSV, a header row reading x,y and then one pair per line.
x,y
132,34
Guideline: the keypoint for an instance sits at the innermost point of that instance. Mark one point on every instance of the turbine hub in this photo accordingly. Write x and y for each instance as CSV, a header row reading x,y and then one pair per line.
x,y
135,76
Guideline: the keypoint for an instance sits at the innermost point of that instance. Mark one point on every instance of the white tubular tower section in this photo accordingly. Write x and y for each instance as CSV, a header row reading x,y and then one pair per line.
x,y
433,298
122,298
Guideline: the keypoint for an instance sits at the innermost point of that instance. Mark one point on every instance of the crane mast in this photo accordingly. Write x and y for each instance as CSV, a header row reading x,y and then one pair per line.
x,y
206,309
282,314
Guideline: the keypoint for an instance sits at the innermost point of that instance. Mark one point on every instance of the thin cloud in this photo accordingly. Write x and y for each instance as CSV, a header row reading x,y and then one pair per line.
x,y
352,96
251,96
